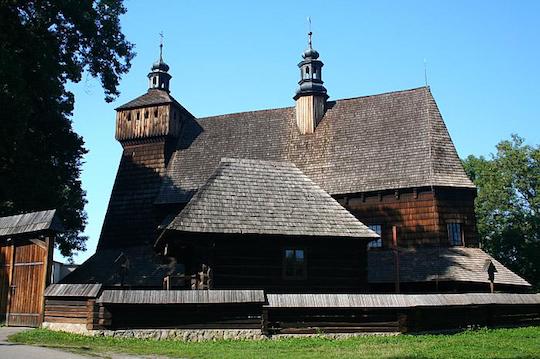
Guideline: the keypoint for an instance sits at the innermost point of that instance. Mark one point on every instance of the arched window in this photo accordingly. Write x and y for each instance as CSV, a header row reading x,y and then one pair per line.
x,y
155,81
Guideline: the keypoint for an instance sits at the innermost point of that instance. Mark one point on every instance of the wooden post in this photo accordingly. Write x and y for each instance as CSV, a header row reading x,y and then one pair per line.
x,y
396,256
264,322
10,282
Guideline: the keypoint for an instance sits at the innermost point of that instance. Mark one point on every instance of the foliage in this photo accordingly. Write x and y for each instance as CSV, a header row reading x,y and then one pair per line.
x,y
508,205
484,343
43,45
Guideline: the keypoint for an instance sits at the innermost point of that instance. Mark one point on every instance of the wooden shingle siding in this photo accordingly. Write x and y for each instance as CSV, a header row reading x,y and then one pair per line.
x,y
130,218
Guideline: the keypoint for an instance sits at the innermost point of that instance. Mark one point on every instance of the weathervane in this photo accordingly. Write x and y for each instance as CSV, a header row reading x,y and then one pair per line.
x,y
309,33
161,46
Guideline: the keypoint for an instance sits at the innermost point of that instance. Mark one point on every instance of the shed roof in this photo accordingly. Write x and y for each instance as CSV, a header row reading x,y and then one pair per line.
x,y
387,141
438,264
73,290
396,300
266,197
30,222
181,296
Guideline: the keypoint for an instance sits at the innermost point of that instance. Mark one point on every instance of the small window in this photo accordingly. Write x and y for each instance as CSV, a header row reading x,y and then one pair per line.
x,y
138,115
155,81
377,228
146,114
129,116
455,234
294,264
156,113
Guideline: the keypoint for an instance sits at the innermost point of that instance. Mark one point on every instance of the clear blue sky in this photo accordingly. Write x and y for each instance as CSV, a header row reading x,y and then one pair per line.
x,y
483,60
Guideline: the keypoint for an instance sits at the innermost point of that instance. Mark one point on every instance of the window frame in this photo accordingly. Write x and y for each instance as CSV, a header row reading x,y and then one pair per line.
x,y
303,264
380,241
450,226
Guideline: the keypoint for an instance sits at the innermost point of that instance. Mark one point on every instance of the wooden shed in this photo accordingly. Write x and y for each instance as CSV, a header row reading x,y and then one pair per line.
x,y
26,251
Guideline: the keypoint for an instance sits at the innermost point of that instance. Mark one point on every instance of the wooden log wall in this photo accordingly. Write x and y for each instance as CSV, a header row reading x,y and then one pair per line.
x,y
185,316
421,214
333,265
66,310
437,318
328,320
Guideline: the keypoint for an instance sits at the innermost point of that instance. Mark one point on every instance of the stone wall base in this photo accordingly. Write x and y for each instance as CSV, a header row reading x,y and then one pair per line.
x,y
67,327
193,335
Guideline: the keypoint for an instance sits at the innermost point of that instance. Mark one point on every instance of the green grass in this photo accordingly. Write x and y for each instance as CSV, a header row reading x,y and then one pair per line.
x,y
482,343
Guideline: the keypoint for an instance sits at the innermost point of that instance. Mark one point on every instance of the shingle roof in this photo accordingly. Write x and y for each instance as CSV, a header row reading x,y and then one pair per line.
x,y
396,300
444,264
266,197
144,268
73,290
388,141
152,97
131,296
30,222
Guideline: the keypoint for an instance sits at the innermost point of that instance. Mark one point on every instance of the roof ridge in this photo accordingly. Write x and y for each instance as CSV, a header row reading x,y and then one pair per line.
x,y
252,160
430,137
292,107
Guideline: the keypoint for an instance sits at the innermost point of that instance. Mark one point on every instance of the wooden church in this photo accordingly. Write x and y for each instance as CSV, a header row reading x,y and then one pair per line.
x,y
358,195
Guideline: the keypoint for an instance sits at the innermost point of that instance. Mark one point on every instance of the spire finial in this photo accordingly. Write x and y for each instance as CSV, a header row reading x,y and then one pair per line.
x,y
161,46
309,33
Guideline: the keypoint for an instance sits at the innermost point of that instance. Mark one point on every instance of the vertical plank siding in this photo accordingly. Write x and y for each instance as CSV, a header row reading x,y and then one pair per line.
x,y
6,253
420,214
25,267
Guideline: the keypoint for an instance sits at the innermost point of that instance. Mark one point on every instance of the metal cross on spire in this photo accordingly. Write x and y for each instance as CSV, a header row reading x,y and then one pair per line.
x,y
161,46
309,33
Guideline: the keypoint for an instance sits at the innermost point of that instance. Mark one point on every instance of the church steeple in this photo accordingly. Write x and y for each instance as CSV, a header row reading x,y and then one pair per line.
x,y
311,96
159,76
310,73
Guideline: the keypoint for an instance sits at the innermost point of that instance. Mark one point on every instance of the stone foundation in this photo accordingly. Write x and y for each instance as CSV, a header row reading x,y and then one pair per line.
x,y
67,327
193,335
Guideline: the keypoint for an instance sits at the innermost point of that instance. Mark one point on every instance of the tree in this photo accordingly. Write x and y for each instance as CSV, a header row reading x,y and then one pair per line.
x,y
508,205
43,45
